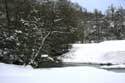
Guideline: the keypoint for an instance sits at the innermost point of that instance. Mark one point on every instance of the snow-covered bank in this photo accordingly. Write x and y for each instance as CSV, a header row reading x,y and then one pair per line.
x,y
114,67
104,52
18,74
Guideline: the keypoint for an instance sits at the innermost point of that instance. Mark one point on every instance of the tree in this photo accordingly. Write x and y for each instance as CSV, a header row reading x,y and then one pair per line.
x,y
95,26
119,18
36,29
115,19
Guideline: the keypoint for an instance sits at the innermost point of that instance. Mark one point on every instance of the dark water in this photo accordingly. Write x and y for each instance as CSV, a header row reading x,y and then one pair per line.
x,y
116,70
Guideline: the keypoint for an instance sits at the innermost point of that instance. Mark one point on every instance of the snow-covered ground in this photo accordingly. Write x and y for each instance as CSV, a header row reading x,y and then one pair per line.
x,y
82,74
104,52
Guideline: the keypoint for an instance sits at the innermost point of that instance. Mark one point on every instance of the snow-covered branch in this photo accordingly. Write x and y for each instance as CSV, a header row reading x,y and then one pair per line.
x,y
42,43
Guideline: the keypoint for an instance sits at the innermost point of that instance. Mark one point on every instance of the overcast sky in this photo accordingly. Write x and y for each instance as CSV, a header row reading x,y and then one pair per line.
x,y
99,4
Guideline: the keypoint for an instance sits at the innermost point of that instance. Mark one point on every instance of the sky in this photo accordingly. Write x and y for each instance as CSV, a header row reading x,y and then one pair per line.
x,y
99,4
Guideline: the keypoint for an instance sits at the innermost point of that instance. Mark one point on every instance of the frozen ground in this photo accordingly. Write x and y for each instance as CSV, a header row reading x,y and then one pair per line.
x,y
19,74
104,52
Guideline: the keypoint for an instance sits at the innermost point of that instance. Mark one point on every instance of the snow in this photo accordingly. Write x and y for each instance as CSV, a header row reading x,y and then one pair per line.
x,y
20,74
18,31
104,52
48,57
121,66
45,55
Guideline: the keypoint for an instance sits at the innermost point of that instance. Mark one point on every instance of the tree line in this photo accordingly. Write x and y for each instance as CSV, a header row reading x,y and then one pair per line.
x,y
98,26
31,29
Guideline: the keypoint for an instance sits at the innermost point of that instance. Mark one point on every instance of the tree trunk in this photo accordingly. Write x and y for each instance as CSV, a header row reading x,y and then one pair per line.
x,y
7,12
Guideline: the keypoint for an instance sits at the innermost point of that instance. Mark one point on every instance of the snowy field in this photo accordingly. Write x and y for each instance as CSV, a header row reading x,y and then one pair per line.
x,y
82,74
105,52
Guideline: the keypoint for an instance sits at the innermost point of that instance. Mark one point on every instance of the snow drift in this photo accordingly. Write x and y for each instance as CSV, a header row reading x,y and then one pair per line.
x,y
20,74
104,52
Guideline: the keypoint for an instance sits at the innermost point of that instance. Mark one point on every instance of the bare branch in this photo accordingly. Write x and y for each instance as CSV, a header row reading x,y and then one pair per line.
x,y
59,32
42,43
